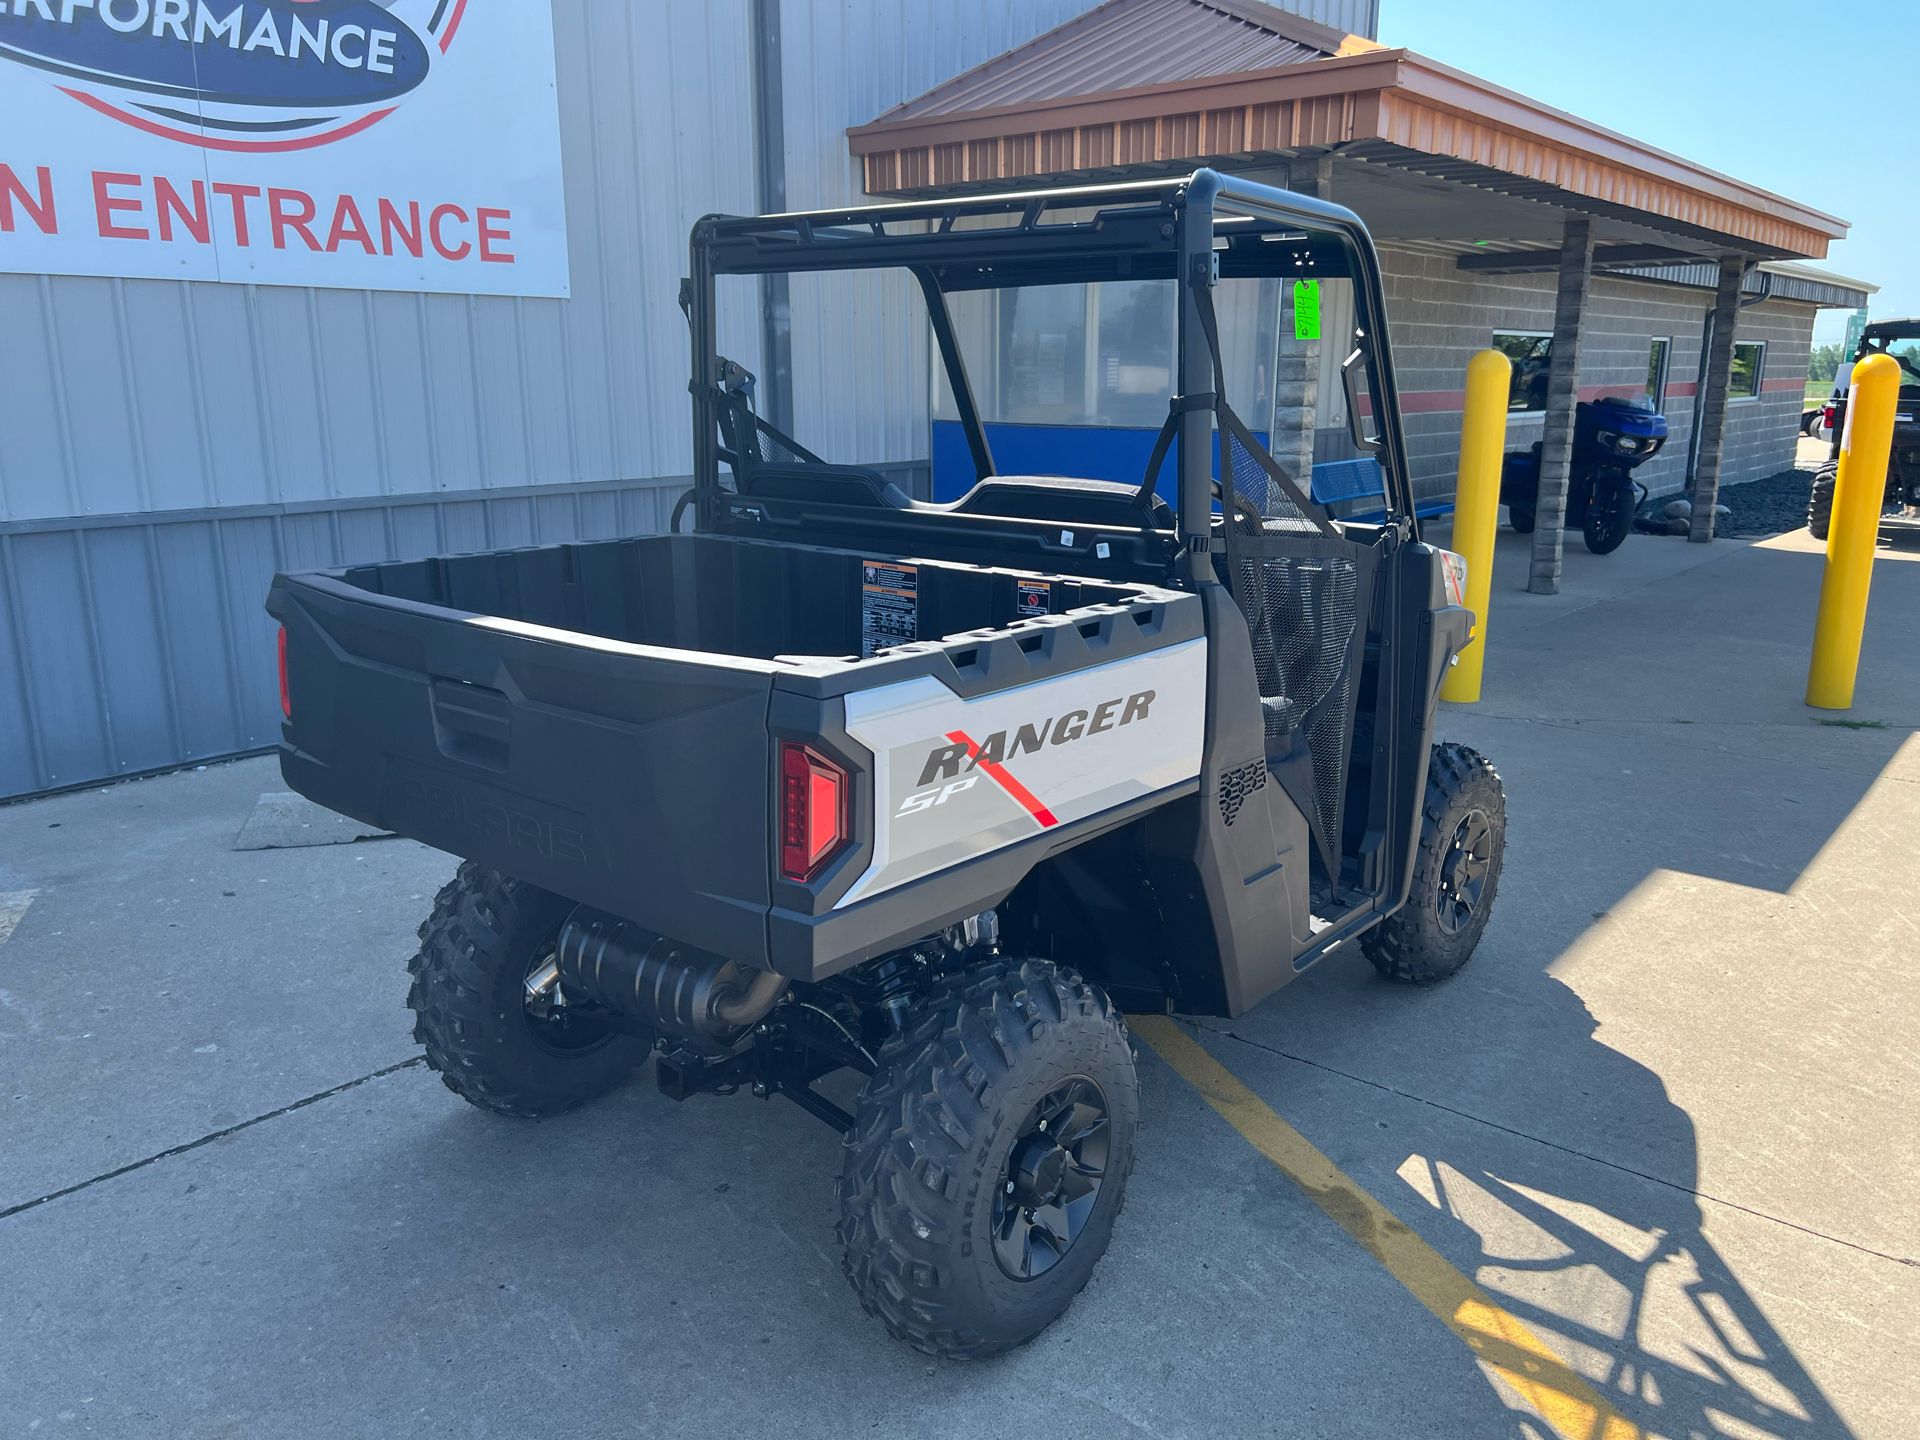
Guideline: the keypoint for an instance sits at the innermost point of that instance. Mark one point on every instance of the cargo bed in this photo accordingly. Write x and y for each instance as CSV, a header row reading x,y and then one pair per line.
x,y
600,718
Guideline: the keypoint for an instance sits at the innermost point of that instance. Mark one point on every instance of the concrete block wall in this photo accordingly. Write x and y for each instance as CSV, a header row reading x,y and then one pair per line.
x,y
1627,316
1440,315
1763,432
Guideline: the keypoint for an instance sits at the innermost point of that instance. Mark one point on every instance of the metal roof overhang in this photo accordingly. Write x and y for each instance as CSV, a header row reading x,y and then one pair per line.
x,y
1404,119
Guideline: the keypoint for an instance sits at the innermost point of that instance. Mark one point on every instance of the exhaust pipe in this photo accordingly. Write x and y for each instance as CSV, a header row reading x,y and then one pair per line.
x,y
747,1007
690,995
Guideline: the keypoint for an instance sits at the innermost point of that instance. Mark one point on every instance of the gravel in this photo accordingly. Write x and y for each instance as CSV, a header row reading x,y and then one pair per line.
x,y
1770,506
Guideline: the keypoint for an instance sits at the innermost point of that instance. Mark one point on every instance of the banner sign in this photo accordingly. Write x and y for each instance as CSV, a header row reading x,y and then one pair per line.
x,y
364,144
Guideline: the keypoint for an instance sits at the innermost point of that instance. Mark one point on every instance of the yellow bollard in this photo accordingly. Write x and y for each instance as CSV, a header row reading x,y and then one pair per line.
x,y
1476,509
1859,494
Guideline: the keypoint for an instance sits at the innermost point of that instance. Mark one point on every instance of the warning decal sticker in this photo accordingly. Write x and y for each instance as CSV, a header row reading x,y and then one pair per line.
x,y
889,605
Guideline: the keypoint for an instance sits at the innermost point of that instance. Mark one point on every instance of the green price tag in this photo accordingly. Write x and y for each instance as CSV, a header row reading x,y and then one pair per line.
x,y
1306,309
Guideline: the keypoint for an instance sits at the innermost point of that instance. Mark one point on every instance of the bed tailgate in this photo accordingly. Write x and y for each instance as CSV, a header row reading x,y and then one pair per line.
x,y
627,776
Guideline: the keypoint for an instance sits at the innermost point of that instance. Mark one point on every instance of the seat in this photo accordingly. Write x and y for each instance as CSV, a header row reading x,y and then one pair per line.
x,y
823,485
1336,480
1063,498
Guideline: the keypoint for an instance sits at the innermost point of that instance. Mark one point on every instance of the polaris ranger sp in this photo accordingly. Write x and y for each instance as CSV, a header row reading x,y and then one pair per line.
x,y
841,780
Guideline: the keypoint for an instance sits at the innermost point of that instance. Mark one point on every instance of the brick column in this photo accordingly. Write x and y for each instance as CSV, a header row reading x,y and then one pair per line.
x,y
1715,376
1563,393
1296,368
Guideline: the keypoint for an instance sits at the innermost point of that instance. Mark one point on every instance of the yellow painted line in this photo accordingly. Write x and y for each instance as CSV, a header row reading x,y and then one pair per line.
x,y
1562,1396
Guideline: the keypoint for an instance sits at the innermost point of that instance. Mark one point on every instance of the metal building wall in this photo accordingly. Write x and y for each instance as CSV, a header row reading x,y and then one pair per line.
x,y
137,643
859,344
1356,17
141,395
167,445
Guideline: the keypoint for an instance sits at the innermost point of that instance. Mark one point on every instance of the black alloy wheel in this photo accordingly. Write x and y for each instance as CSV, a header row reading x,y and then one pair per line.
x,y
988,1157
1456,872
1464,871
1051,1180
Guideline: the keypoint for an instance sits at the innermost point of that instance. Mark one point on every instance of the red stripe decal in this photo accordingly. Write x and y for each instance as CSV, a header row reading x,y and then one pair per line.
x,y
1028,801
446,39
211,142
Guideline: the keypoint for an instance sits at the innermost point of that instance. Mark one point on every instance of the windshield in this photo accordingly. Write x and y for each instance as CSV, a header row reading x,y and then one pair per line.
x,y
1103,354
1905,349
1075,379
1050,343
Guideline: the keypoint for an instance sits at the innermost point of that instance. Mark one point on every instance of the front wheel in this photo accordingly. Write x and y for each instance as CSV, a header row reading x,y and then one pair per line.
x,y
1609,514
1463,838
988,1158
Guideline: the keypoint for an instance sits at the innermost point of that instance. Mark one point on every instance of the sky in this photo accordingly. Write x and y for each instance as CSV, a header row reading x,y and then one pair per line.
x,y
1767,92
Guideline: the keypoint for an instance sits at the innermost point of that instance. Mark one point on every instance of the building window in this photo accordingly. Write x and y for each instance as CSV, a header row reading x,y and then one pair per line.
x,y
1529,352
1657,353
1749,358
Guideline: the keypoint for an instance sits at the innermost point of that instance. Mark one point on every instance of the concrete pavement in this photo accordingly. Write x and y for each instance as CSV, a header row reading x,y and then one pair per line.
x,y
1664,1117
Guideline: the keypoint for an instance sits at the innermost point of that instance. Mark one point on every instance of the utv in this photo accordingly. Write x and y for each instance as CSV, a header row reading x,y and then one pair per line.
x,y
932,793
1901,340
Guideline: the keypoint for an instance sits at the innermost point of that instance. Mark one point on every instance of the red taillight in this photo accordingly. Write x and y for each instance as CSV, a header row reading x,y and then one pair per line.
x,y
286,698
813,811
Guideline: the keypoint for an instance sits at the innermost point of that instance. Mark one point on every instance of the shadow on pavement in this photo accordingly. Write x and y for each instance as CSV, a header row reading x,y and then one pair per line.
x,y
1615,1270
1673,830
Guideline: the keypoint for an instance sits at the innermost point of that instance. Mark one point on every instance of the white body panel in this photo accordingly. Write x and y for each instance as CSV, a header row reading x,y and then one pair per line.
x,y
955,778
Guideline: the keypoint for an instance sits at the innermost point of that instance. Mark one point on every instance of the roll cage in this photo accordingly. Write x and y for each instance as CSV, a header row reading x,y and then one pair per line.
x,y
1197,229
1885,338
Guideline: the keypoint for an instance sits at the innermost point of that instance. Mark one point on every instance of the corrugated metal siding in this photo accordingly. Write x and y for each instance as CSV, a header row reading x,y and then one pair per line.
x,y
324,427
1779,284
132,643
142,395
1356,17
860,356
136,642
1122,44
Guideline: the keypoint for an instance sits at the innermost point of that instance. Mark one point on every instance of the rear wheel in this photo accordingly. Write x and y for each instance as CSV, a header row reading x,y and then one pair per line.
x,y
486,1002
1820,501
1463,836
1609,513
989,1158
1521,518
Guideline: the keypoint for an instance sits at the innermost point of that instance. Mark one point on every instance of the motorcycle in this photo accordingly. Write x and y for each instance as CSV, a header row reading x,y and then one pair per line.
x,y
1612,437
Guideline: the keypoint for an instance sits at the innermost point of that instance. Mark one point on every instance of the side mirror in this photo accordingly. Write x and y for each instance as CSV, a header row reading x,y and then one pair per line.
x,y
1353,379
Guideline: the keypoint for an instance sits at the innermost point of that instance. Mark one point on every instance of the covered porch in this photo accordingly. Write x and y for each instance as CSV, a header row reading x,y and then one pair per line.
x,y
1600,264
